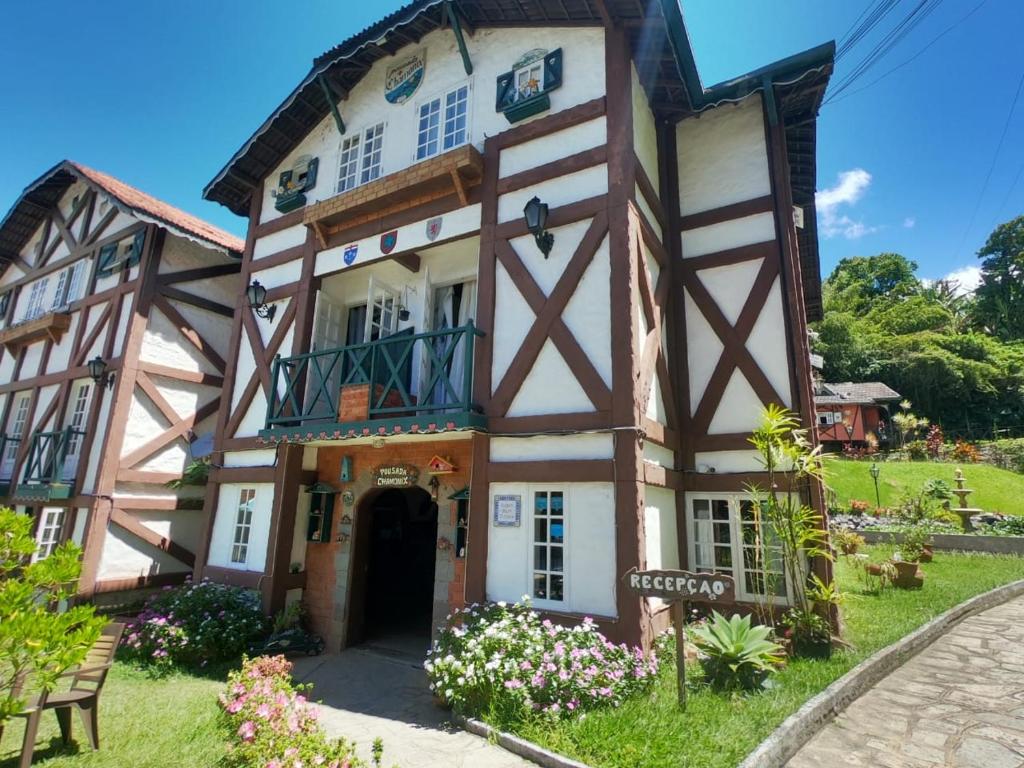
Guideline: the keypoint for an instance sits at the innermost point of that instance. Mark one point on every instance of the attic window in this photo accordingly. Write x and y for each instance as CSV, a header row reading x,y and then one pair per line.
x,y
523,92
114,258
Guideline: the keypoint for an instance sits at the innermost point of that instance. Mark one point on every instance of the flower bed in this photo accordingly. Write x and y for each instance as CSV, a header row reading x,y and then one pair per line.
x,y
272,725
503,660
195,625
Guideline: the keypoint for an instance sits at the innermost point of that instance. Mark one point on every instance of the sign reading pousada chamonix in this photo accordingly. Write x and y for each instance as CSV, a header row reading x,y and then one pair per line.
x,y
683,585
678,588
395,476
402,80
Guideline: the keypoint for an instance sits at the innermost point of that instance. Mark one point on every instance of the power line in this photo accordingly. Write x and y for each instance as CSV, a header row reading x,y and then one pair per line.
x,y
933,41
920,12
992,167
855,34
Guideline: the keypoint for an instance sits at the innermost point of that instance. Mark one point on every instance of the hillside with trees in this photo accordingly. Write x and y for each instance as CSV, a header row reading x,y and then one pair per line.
x,y
959,357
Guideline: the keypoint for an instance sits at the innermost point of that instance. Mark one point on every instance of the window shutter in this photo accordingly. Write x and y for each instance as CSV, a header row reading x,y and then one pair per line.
x,y
506,90
283,179
553,69
311,170
136,257
5,301
108,253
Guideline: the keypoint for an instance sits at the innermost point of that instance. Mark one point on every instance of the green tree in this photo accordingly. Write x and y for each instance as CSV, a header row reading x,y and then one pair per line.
x,y
859,284
38,640
999,305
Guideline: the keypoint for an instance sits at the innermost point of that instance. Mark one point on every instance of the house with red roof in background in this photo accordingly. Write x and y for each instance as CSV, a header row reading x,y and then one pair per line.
x,y
115,309
849,413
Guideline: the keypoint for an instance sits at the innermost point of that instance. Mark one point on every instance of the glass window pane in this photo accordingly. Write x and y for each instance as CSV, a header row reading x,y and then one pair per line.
x,y
540,530
556,559
540,503
556,588
540,558
540,588
720,509
723,557
556,503
557,532
701,509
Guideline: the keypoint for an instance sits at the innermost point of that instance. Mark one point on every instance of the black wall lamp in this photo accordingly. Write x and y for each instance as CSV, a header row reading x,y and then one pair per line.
x,y
536,214
98,372
257,296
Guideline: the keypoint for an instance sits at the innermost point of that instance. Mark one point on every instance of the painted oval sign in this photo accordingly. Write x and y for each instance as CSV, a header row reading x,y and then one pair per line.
x,y
683,585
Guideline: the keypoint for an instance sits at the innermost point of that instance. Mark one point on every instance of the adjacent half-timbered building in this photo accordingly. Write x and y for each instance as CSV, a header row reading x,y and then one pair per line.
x,y
115,310
518,288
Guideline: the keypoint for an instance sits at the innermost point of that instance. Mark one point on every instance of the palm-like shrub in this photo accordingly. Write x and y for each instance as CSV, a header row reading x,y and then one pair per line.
x,y
737,654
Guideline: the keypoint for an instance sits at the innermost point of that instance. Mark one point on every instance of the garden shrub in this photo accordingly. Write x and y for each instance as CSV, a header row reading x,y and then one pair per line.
x,y
736,654
965,453
847,541
1008,526
194,625
504,661
858,507
270,723
934,441
917,450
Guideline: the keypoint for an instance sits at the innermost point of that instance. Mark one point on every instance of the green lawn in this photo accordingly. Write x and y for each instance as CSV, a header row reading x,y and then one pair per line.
x,y
144,723
995,490
717,731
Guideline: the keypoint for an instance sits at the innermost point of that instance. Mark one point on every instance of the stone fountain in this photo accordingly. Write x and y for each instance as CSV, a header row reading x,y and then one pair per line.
x,y
964,512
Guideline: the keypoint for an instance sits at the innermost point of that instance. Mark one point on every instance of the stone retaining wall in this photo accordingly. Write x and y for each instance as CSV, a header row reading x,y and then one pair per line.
x,y
997,545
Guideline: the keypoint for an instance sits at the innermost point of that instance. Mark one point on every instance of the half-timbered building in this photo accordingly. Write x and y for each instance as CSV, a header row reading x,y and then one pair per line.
x,y
518,288
115,310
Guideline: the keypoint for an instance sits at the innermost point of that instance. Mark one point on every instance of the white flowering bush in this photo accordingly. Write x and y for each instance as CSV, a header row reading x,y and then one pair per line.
x,y
504,661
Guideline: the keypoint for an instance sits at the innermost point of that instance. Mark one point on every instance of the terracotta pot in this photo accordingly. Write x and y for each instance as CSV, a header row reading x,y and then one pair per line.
x,y
874,569
908,575
927,553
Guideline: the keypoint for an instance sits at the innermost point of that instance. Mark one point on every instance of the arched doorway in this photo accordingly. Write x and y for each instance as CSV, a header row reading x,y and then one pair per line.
x,y
395,546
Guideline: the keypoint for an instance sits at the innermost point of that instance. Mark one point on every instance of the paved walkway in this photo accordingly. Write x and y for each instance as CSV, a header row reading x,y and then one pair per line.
x,y
960,702
367,694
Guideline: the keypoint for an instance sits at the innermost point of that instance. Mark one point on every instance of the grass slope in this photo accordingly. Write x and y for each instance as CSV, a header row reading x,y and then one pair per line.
x,y
717,731
995,490
144,723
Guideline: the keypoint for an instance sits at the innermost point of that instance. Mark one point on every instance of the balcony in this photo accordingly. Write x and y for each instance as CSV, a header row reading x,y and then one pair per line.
x,y
50,326
8,454
401,384
51,467
453,172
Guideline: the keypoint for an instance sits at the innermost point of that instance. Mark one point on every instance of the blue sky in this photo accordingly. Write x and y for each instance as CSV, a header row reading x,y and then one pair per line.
x,y
163,98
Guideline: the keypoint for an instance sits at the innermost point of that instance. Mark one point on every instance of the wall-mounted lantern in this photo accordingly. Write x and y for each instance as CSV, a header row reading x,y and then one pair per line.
x,y
536,214
98,372
257,296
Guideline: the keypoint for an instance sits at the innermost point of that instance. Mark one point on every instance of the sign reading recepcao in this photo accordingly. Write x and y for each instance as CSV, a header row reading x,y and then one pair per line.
x,y
678,588
508,510
395,476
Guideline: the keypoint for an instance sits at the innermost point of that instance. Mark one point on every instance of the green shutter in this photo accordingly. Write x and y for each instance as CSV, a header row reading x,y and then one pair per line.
x,y
108,253
311,170
553,70
136,254
321,516
506,91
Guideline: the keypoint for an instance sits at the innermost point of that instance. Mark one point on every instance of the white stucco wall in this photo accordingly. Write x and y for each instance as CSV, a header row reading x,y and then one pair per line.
x,y
661,545
645,136
126,556
224,527
590,579
552,447
493,51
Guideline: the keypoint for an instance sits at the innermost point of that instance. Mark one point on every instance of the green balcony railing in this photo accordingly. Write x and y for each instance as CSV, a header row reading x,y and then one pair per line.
x,y
47,456
409,375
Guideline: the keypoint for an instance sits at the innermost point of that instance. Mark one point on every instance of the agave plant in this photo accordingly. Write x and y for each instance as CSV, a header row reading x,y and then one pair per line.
x,y
737,655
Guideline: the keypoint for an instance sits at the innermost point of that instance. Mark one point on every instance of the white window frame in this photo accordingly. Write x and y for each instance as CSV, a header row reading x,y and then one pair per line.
x,y
738,570
530,518
35,309
79,406
357,143
539,63
19,415
242,531
440,145
69,284
50,529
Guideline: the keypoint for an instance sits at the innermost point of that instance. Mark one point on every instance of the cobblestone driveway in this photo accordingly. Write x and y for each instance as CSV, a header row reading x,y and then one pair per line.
x,y
366,694
960,702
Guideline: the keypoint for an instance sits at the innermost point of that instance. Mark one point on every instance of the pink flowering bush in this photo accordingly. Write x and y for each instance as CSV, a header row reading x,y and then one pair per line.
x,y
193,625
504,661
270,723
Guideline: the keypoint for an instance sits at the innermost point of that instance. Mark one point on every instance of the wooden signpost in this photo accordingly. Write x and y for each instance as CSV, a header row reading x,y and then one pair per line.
x,y
678,588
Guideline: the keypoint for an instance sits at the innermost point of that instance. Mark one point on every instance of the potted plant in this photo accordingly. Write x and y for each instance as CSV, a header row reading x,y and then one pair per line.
x,y
908,558
808,634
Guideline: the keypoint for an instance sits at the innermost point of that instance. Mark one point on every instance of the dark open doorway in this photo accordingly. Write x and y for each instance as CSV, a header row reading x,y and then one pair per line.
x,y
393,573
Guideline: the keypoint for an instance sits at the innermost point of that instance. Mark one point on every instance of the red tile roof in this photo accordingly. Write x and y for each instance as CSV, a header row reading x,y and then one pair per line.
x,y
164,213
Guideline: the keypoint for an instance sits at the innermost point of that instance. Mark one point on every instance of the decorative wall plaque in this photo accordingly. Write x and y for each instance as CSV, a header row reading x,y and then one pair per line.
x,y
395,476
402,80
508,510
